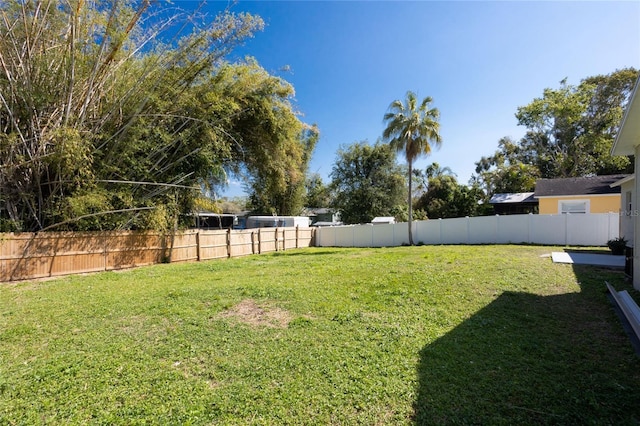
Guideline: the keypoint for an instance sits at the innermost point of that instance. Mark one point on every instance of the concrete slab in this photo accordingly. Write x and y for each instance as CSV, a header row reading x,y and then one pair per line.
x,y
588,259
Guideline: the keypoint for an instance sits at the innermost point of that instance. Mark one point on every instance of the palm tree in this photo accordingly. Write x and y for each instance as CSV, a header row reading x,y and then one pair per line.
x,y
412,128
434,170
421,177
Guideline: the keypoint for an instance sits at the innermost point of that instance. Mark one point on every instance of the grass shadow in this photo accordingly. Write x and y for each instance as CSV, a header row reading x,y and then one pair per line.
x,y
588,250
531,359
307,251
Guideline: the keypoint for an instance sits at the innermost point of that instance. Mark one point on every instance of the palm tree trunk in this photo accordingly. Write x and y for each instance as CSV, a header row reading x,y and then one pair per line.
x,y
410,206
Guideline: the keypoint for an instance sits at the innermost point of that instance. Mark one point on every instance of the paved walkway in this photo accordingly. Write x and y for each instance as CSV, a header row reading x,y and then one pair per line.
x,y
588,259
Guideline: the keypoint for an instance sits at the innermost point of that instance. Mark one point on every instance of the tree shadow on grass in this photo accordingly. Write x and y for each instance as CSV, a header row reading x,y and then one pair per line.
x,y
530,359
307,252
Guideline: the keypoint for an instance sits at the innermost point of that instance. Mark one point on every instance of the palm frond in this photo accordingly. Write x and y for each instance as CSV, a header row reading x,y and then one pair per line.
x,y
414,129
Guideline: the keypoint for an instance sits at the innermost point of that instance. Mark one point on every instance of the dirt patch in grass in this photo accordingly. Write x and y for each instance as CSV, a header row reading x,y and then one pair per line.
x,y
250,312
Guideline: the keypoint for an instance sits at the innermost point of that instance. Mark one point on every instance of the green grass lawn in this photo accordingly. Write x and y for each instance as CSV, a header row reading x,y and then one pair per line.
x,y
405,335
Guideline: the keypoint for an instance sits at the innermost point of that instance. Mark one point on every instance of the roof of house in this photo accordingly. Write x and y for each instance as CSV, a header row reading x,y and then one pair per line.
x,y
321,223
313,211
628,178
628,136
512,198
384,219
592,185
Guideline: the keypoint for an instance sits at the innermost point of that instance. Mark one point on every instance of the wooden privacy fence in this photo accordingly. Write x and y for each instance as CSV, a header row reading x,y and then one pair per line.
x,y
48,254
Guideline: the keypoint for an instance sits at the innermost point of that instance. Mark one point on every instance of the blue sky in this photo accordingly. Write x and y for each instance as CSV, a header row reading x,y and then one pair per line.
x,y
479,61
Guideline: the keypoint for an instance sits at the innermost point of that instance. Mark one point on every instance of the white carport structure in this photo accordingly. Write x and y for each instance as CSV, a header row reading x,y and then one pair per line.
x,y
628,143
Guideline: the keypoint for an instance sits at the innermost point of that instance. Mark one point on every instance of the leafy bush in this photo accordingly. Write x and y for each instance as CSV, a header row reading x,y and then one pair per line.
x,y
617,245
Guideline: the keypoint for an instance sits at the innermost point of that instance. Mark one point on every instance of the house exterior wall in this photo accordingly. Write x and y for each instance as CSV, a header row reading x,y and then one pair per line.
x,y
628,211
604,203
636,221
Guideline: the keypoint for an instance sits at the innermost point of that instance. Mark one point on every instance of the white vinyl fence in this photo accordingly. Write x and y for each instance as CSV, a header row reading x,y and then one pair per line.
x,y
566,229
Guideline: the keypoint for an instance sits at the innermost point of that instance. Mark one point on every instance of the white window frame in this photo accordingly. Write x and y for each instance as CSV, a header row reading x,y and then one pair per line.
x,y
573,206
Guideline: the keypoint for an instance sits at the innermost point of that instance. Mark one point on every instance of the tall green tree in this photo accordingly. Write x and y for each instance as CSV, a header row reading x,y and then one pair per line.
x,y
318,194
505,171
272,146
111,117
96,117
367,182
446,198
412,127
434,170
421,177
570,130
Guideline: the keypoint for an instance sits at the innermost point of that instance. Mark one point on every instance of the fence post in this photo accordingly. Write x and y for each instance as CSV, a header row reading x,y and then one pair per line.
x,y
276,234
259,240
229,242
297,236
353,234
372,233
393,235
253,242
105,240
468,230
609,226
198,245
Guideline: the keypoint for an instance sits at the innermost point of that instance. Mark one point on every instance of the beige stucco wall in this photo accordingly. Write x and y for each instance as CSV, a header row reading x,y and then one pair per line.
x,y
597,203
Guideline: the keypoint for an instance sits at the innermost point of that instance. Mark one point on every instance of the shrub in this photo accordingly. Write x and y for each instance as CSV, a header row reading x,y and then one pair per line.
x,y
617,245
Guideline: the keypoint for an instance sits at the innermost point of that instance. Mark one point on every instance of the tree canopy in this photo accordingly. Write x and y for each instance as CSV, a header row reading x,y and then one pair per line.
x,y
366,182
318,194
570,131
112,117
446,198
505,171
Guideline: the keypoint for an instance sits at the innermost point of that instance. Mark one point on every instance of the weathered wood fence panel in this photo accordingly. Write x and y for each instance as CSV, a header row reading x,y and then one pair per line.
x,y
242,243
306,237
38,255
49,254
183,247
268,238
213,245
126,249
